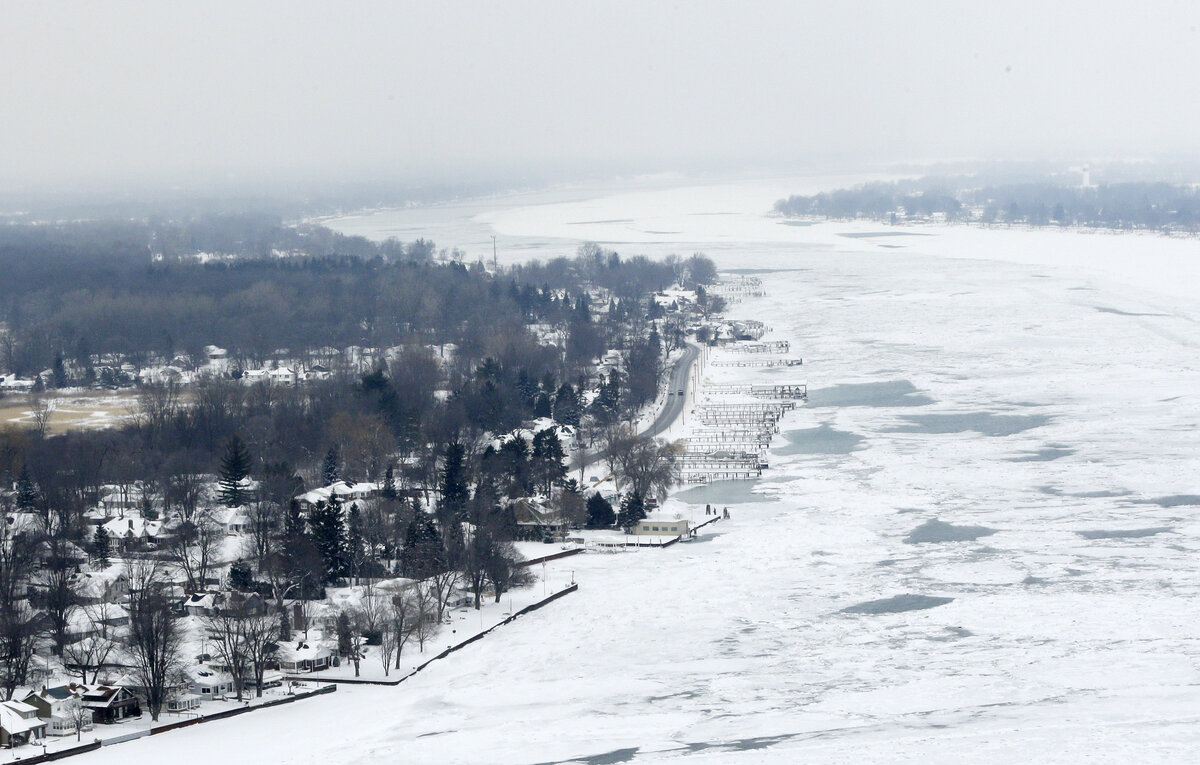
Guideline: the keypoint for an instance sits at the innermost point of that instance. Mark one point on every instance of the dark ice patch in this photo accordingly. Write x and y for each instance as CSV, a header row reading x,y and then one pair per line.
x,y
1173,500
1046,454
1123,533
891,393
938,531
984,423
822,440
724,493
952,633
897,604
1117,312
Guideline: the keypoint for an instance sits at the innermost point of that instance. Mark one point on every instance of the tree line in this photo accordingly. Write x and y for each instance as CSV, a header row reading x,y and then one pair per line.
x,y
1130,205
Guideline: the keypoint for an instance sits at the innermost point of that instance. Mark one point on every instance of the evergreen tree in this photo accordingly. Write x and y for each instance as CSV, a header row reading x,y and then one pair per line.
x,y
329,469
60,372
454,486
235,467
514,461
342,626
354,541
103,545
600,513
566,405
240,577
293,522
328,532
546,463
633,509
423,554
389,484
607,405
27,493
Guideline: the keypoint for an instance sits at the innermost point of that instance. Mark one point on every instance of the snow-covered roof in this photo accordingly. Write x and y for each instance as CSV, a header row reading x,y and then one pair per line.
x,y
130,527
18,717
307,650
343,490
205,600
206,675
95,583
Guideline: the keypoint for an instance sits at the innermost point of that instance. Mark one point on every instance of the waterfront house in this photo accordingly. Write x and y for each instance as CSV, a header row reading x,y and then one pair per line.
x,y
20,724
111,703
53,707
657,524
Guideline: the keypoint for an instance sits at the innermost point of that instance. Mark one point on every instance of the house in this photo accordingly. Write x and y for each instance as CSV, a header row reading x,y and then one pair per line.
x,y
133,531
307,656
536,521
241,603
65,552
203,603
346,491
110,704
234,520
12,382
183,702
53,706
105,586
206,682
20,724
657,524
282,376
317,372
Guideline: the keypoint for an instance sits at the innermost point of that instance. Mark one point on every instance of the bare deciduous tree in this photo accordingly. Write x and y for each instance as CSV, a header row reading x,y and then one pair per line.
x,y
93,652
426,614
41,408
229,644
155,639
20,627
194,548
260,634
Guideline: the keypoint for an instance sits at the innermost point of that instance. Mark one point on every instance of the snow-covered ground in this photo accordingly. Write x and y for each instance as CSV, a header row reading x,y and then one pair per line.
x,y
1033,395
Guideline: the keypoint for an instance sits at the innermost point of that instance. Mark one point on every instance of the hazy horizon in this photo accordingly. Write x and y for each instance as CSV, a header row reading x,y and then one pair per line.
x,y
224,93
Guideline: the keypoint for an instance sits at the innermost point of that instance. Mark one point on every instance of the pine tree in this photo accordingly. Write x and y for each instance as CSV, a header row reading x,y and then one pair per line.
x,y
59,372
389,484
566,405
423,553
354,541
633,509
600,513
240,577
329,469
103,545
547,462
328,531
27,493
454,486
293,522
235,467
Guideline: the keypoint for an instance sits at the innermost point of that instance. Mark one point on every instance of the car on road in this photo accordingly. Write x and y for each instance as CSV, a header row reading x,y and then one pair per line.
x,y
681,392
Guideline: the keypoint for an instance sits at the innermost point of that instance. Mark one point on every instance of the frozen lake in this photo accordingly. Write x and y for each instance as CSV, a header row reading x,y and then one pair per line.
x,y
979,543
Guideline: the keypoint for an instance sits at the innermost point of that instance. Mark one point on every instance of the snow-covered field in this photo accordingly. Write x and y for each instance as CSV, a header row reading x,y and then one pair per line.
x,y
1033,395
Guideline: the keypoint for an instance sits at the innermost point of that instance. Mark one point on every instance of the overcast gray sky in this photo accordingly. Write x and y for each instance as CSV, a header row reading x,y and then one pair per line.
x,y
243,89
